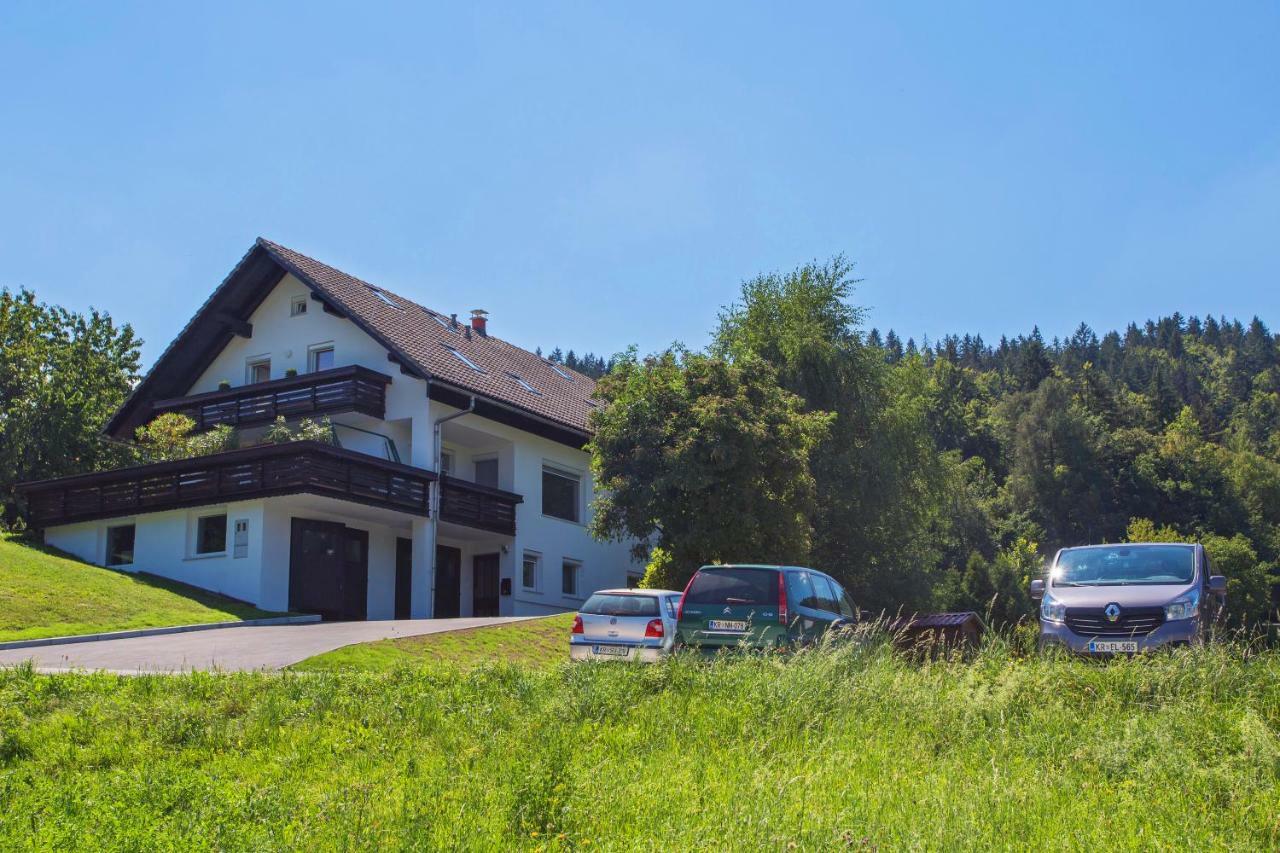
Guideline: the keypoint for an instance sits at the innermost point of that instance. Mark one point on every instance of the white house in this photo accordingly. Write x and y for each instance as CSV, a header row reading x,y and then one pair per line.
x,y
456,484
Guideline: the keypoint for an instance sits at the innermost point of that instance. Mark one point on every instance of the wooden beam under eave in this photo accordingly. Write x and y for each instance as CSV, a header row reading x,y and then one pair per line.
x,y
406,369
235,325
329,307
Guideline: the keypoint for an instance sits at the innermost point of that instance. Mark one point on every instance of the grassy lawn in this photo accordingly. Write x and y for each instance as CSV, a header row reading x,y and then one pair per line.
x,y
536,643
852,748
46,594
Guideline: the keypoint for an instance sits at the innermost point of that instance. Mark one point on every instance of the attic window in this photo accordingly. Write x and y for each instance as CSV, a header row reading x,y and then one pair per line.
x,y
525,385
442,321
384,297
559,370
298,306
462,358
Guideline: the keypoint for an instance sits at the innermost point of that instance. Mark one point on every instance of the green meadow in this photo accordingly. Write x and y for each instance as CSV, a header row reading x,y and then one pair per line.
x,y
842,748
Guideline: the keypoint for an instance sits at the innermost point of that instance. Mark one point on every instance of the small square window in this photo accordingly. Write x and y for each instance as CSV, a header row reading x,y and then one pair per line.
x,y
321,358
211,534
560,493
120,545
569,570
298,306
259,371
446,462
529,571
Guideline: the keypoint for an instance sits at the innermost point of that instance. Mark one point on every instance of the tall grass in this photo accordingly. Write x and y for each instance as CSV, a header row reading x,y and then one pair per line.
x,y
843,747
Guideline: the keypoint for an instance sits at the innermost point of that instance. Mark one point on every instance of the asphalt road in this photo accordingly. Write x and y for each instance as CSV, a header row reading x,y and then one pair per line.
x,y
267,647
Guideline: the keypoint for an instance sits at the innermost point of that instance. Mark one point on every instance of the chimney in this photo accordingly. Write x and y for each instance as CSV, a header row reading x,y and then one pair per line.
x,y
453,321
479,318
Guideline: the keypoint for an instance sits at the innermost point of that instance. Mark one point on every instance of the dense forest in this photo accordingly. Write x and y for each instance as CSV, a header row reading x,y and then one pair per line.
x,y
942,475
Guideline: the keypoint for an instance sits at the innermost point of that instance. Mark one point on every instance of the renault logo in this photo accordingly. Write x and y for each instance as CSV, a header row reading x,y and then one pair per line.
x,y
1112,611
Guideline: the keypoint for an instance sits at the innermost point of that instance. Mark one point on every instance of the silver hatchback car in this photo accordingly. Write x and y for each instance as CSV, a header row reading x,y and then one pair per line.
x,y
625,624
1117,599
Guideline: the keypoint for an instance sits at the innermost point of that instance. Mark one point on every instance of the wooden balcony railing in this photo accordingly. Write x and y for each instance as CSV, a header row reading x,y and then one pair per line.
x,y
472,505
342,389
254,472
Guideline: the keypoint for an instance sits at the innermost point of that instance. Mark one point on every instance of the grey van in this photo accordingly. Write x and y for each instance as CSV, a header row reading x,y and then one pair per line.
x,y
1109,599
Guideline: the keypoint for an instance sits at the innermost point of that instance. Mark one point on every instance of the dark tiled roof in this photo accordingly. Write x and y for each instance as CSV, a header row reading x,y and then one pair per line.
x,y
424,338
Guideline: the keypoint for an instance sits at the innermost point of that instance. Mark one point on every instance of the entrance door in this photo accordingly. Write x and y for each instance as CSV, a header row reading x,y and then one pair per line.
x,y
328,569
484,585
448,582
404,576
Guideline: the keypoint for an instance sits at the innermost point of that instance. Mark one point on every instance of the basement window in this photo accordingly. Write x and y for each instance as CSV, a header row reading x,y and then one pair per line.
x,y
120,545
211,534
462,358
525,385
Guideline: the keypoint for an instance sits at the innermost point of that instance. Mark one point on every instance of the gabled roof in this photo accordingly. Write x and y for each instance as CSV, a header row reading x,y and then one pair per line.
x,y
425,343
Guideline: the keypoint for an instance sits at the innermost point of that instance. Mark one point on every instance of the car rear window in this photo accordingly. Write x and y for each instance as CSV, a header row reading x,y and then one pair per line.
x,y
619,604
734,586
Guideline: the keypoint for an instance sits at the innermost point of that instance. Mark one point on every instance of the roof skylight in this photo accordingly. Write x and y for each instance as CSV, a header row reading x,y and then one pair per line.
x,y
383,297
462,358
525,385
442,321
559,370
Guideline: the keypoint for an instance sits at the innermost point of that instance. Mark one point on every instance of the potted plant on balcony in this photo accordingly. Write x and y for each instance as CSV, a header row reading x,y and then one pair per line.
x,y
291,372
224,385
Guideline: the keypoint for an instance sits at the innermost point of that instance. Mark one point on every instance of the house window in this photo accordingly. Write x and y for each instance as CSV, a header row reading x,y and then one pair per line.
x,y
321,358
487,472
259,370
298,306
530,570
120,545
569,570
560,493
446,462
211,534
241,540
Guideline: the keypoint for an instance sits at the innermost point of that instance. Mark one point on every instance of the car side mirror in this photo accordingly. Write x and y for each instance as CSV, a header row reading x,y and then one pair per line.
x,y
1037,589
1217,584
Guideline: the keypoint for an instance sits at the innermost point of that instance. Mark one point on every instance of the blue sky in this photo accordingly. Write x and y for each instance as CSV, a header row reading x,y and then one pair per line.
x,y
604,174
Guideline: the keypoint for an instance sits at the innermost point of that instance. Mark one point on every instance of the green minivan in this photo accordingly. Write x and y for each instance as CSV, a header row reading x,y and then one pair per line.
x,y
760,607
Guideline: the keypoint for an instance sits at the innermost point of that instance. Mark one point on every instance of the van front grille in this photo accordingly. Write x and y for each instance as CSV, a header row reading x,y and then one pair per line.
x,y
1133,621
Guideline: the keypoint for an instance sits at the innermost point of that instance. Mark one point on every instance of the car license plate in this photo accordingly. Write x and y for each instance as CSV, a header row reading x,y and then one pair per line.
x,y
1113,646
726,625
613,651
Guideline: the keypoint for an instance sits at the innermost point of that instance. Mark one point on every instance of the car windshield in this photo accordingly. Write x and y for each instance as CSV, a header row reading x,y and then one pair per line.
x,y
620,604
734,586
1125,565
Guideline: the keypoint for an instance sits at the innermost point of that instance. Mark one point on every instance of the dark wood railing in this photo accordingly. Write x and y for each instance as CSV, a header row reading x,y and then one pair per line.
x,y
254,472
472,505
342,389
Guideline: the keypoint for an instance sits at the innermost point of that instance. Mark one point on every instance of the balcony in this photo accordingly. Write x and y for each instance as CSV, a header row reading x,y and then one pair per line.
x,y
254,472
482,507
327,392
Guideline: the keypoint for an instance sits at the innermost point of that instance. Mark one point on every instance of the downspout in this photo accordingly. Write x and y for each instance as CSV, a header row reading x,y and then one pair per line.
x,y
436,450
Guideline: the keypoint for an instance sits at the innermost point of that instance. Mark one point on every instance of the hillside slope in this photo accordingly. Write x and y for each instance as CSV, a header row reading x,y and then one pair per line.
x,y
46,594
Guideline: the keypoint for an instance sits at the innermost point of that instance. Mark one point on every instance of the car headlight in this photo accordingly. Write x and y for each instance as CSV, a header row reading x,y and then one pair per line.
x,y
1051,609
1183,607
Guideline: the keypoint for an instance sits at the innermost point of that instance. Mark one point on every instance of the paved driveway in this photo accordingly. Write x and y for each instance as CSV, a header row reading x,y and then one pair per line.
x,y
263,647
